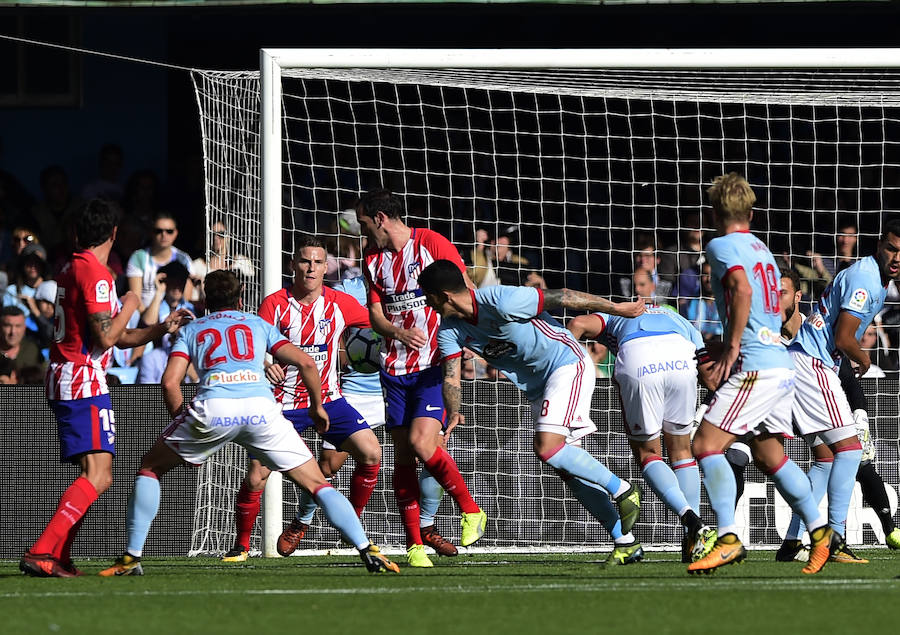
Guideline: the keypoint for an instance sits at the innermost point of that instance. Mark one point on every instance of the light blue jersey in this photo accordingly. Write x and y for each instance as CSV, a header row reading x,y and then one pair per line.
x,y
228,349
654,321
514,334
761,346
858,289
353,381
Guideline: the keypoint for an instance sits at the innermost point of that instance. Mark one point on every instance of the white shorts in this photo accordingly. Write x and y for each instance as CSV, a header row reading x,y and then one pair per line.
x,y
753,402
565,407
369,405
254,423
657,379
821,408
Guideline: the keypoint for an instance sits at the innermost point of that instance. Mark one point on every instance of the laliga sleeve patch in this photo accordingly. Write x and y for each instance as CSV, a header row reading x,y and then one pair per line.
x,y
858,300
101,290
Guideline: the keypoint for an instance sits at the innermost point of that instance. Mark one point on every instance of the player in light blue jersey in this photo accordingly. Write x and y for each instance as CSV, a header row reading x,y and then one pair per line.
x,y
363,392
657,358
234,403
755,379
821,411
510,329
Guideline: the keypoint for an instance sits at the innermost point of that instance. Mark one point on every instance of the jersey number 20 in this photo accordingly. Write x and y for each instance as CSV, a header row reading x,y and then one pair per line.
x,y
239,338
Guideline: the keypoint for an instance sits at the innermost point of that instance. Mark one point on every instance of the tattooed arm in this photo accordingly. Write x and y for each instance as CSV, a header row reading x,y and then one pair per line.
x,y
578,300
105,329
452,391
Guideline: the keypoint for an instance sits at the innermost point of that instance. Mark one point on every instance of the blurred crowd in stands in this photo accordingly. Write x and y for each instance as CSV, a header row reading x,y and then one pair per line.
x,y
34,244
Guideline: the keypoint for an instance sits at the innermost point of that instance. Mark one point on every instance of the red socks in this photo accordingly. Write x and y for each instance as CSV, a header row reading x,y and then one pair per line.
x,y
362,484
246,509
73,505
443,468
406,490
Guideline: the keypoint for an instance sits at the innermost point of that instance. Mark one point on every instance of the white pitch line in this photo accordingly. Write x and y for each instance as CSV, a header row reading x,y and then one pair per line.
x,y
611,585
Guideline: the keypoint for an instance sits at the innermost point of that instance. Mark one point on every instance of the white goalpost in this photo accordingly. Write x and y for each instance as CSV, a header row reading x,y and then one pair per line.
x,y
578,158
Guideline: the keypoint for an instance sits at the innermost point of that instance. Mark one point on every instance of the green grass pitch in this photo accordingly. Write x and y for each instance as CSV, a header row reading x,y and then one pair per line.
x,y
485,593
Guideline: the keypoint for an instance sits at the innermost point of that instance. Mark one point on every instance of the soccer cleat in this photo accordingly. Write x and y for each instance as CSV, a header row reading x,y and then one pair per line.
x,y
892,540
727,550
472,527
416,557
843,555
704,542
375,562
824,543
126,564
290,538
238,553
792,550
70,567
625,554
441,546
629,507
43,565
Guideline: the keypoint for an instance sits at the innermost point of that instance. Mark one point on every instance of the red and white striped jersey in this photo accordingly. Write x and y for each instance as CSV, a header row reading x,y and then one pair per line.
x,y
393,281
316,330
78,366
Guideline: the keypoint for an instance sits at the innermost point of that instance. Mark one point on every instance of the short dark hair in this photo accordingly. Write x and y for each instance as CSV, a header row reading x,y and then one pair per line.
x,y
11,310
163,215
305,241
441,275
223,290
175,273
94,223
846,221
792,275
380,200
891,227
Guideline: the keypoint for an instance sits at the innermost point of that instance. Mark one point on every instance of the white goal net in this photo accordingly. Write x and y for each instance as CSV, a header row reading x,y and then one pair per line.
x,y
577,171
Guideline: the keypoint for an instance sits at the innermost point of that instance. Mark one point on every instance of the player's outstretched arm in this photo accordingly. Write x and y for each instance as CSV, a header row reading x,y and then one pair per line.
x,y
583,326
106,329
309,373
846,342
140,336
173,376
580,301
452,391
740,294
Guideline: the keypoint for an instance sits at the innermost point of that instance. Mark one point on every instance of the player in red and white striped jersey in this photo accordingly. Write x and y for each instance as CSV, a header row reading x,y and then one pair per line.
x,y
411,368
313,317
88,323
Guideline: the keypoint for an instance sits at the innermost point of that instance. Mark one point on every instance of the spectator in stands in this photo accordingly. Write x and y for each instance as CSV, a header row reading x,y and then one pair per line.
x,y
846,241
142,198
171,280
874,341
13,344
22,237
679,264
43,308
107,185
478,261
144,263
342,248
30,270
820,270
221,257
702,311
645,257
509,268
644,287
8,372
52,212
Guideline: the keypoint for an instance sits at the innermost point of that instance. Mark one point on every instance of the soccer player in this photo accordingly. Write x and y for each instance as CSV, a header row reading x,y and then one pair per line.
x,y
510,329
234,403
411,374
88,324
821,410
363,392
657,358
313,317
755,379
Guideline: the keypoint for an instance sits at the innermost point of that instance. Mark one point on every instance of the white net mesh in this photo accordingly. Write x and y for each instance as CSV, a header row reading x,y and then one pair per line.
x,y
577,171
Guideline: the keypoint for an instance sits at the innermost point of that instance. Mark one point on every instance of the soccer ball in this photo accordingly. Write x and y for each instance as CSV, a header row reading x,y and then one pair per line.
x,y
363,348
